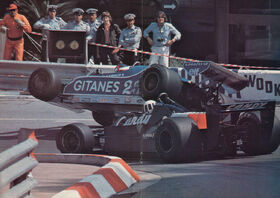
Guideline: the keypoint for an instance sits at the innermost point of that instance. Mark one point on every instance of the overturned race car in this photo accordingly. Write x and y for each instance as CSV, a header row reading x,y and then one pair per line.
x,y
179,113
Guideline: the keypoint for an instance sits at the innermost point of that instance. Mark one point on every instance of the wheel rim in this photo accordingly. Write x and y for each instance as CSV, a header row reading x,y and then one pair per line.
x,y
151,81
165,141
40,81
249,138
71,141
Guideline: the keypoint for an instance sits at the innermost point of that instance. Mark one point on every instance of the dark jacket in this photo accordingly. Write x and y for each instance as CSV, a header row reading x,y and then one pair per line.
x,y
115,32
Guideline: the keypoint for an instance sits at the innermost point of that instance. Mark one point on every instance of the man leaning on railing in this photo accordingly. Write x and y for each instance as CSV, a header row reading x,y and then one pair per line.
x,y
15,25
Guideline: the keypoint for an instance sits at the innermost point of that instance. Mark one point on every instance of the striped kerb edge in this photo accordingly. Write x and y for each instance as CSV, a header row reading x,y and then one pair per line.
x,y
110,179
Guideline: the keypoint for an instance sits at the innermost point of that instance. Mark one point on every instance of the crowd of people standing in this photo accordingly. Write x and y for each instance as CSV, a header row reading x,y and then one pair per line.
x,y
99,29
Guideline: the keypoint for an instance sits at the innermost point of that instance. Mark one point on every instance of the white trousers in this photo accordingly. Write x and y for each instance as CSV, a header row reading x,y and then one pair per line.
x,y
162,60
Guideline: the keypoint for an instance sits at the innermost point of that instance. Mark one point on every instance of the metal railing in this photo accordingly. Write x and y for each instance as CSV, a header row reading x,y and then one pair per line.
x,y
16,164
2,44
14,75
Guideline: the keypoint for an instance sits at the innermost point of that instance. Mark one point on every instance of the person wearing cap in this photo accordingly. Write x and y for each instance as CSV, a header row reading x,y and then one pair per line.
x,y
77,24
130,39
15,25
162,40
94,23
49,22
108,33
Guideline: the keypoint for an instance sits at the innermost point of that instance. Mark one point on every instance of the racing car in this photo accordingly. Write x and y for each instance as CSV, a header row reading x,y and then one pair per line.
x,y
107,94
178,113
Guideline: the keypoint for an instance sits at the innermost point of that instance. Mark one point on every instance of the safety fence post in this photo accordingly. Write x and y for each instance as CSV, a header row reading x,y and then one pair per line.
x,y
16,164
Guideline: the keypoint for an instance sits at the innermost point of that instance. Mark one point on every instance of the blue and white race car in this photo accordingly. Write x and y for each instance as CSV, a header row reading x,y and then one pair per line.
x,y
108,94
179,113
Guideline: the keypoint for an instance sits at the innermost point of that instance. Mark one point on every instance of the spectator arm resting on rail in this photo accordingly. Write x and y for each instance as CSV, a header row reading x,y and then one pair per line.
x,y
24,23
13,25
50,21
40,25
130,41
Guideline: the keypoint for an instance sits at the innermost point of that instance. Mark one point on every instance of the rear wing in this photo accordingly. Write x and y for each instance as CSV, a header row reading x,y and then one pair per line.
x,y
216,74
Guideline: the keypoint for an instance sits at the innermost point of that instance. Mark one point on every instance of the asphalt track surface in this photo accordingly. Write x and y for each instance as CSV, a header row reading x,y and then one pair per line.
x,y
242,176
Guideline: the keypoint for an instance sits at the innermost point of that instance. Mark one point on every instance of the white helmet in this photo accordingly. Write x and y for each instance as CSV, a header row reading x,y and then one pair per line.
x,y
149,106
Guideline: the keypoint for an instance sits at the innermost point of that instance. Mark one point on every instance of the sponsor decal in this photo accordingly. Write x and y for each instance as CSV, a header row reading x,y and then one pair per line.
x,y
127,100
94,100
195,68
76,99
101,85
133,121
85,99
116,100
262,84
140,101
246,106
115,75
96,86
103,100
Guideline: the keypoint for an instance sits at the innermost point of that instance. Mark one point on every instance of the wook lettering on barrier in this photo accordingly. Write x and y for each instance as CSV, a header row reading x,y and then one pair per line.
x,y
261,84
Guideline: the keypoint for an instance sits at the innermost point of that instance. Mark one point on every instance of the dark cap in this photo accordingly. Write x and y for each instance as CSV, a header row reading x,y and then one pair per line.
x,y
52,8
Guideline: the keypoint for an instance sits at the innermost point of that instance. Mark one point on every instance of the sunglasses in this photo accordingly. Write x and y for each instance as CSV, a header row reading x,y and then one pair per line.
x,y
13,10
78,14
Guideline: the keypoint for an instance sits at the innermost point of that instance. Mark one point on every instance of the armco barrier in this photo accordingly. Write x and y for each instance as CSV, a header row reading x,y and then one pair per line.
x,y
114,176
16,163
2,44
14,74
15,166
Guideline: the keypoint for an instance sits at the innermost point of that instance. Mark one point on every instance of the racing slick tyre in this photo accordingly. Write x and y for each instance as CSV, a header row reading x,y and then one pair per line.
x,y
274,138
44,84
259,141
177,139
104,118
75,138
158,79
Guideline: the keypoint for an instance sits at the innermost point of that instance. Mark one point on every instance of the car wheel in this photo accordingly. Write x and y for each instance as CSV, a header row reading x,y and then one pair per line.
x,y
258,139
44,84
177,140
251,128
273,141
158,79
104,118
75,138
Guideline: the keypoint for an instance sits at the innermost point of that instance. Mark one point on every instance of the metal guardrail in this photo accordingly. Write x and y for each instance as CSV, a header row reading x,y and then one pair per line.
x,y
2,44
16,164
14,75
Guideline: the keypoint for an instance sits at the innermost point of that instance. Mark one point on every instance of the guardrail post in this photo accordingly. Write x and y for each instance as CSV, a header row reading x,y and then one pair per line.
x,y
2,44
16,164
23,135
